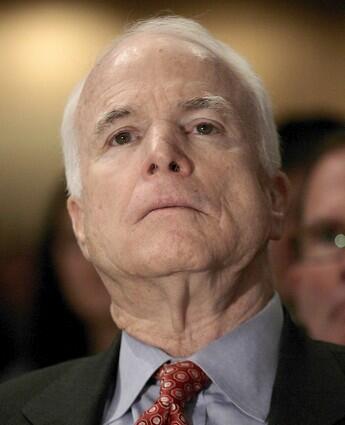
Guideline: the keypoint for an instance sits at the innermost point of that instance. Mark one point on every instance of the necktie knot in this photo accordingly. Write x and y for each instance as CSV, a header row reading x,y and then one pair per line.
x,y
179,383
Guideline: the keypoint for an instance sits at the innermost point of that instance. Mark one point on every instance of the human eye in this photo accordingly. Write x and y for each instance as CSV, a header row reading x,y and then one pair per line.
x,y
322,241
203,127
334,237
327,236
122,137
206,128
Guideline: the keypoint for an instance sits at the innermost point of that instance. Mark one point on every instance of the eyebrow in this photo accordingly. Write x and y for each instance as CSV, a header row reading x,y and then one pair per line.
x,y
109,118
196,103
207,102
321,225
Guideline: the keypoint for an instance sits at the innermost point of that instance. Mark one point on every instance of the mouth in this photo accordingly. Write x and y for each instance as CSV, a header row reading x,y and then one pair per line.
x,y
168,206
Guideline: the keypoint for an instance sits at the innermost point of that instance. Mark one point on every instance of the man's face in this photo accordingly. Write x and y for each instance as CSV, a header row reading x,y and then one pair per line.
x,y
320,278
170,178
324,209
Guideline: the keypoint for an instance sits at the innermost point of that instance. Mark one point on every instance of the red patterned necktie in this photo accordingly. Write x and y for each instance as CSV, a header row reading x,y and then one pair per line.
x,y
179,383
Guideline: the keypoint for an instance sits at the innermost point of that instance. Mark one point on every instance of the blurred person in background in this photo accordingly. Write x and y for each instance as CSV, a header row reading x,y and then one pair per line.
x,y
71,315
318,278
299,138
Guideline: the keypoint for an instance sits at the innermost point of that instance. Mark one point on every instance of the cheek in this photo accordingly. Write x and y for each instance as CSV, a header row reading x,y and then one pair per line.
x,y
323,277
107,198
244,200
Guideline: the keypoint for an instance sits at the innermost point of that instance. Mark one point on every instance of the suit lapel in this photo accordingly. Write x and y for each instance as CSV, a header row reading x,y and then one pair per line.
x,y
309,386
79,395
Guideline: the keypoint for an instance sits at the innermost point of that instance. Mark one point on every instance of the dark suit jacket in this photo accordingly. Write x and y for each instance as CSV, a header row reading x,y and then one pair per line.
x,y
309,388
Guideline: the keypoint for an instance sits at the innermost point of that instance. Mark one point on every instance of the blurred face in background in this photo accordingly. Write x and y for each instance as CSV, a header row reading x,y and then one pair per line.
x,y
319,279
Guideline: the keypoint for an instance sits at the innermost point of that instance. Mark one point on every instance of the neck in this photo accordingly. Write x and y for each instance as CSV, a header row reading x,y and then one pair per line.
x,y
184,312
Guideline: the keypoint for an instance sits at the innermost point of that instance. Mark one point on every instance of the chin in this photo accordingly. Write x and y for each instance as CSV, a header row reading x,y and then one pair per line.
x,y
171,256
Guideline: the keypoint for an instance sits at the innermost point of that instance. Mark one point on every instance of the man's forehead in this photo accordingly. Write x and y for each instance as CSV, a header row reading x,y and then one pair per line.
x,y
142,64
326,188
140,45
134,46
131,59
124,58
329,169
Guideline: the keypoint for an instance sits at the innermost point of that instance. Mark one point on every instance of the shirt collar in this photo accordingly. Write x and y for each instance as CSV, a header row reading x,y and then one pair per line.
x,y
245,373
137,363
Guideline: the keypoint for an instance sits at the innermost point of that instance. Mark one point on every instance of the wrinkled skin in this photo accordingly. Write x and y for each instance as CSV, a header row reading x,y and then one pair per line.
x,y
207,251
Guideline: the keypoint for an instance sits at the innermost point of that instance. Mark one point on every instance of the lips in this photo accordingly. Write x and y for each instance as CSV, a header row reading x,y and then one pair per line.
x,y
165,204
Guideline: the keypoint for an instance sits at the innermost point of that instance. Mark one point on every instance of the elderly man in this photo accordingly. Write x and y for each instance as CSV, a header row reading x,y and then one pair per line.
x,y
172,164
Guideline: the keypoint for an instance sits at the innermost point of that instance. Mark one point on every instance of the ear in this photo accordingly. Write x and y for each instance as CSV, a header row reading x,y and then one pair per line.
x,y
76,212
279,200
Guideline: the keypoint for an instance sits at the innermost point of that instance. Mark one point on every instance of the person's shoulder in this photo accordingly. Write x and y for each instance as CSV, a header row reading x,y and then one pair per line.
x,y
326,352
337,351
55,391
15,392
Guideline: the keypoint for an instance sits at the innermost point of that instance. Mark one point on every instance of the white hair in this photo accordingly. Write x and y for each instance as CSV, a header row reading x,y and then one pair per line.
x,y
189,30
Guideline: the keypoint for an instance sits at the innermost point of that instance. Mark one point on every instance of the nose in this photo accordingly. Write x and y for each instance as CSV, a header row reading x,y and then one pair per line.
x,y
166,152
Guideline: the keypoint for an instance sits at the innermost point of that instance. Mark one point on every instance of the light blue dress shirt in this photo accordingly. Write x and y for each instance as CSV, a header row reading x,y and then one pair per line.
x,y
241,365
